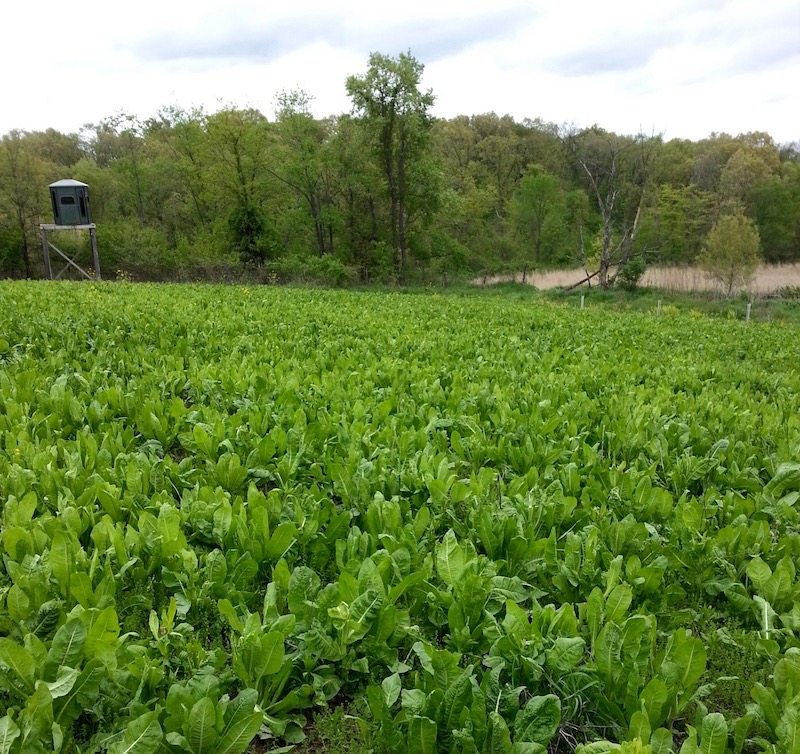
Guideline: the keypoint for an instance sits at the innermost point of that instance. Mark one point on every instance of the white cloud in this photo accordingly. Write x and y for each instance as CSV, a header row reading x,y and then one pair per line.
x,y
685,67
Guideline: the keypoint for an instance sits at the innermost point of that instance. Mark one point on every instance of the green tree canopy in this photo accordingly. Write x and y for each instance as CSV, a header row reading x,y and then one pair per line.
x,y
732,252
389,99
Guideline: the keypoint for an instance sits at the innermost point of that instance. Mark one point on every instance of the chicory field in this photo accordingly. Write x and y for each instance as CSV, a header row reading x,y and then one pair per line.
x,y
478,524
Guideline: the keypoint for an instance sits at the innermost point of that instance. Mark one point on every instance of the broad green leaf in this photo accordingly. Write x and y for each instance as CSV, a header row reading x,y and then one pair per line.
x,y
238,734
789,729
202,440
457,697
786,477
280,541
83,692
19,661
36,719
778,588
67,647
17,542
64,683
713,734
200,731
689,745
216,567
422,736
596,747
273,652
413,701
653,699
142,736
361,614
618,602
786,676
538,721
759,573
303,586
392,686
102,634
62,560
685,660
612,575
565,654
639,728
595,607
260,655
413,579
322,645
498,737
526,747
19,606
242,721
9,732
226,608
450,559
516,622
768,703
661,741
741,729
57,736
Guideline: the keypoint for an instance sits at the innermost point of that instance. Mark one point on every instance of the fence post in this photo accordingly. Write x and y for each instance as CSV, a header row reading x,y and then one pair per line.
x,y
747,315
582,301
658,310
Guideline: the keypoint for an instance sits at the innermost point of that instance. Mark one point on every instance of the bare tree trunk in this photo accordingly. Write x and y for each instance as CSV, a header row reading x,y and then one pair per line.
x,y
583,253
139,200
581,282
26,255
24,250
401,219
391,181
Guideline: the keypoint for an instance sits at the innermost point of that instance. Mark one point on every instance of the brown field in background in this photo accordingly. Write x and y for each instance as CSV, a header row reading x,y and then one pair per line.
x,y
768,278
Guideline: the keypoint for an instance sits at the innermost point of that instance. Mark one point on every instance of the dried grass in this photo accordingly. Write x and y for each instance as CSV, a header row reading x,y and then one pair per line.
x,y
768,278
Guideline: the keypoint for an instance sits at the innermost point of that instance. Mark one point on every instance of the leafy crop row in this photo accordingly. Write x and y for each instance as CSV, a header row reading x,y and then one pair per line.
x,y
486,526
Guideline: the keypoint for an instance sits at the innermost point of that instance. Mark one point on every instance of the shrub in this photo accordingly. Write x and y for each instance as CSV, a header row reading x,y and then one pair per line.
x,y
328,270
732,252
631,273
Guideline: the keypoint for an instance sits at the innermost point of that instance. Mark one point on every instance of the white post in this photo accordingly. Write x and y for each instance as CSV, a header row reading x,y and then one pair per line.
x,y
581,301
747,316
658,310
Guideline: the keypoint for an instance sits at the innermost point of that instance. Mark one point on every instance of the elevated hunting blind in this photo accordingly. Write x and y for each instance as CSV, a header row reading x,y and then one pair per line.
x,y
70,202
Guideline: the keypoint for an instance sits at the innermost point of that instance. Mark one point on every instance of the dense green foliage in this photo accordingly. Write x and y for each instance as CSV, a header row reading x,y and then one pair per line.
x,y
488,526
388,193
731,255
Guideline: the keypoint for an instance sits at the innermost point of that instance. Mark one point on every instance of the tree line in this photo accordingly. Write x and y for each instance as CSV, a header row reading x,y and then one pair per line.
x,y
388,193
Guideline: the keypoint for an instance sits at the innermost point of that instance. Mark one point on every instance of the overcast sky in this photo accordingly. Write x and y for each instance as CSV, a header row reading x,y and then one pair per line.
x,y
683,68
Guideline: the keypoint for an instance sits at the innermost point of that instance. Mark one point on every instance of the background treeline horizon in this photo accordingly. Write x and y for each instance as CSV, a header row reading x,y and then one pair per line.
x,y
387,193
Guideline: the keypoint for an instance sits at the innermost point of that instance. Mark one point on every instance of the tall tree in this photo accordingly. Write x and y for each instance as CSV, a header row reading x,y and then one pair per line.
x,y
389,99
682,216
732,251
302,163
183,134
239,143
23,182
745,168
616,170
536,208
776,211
